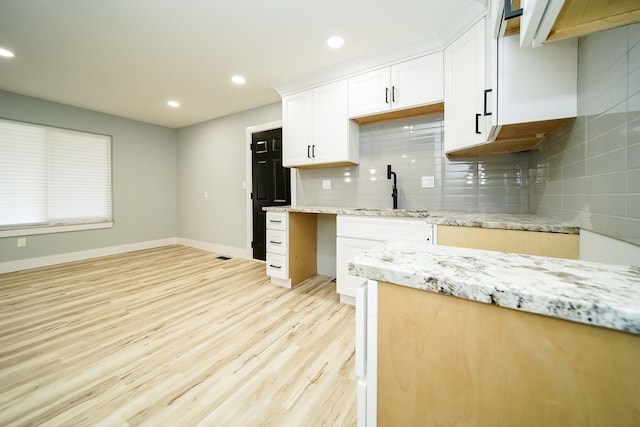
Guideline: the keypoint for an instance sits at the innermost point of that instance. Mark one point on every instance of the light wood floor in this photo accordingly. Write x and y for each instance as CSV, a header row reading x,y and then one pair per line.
x,y
172,337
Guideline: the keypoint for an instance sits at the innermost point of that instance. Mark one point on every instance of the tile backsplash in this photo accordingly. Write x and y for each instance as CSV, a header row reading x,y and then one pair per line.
x,y
589,173
413,147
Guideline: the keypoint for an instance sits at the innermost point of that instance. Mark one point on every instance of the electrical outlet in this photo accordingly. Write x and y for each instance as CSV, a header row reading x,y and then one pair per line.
x,y
206,194
326,184
22,242
428,182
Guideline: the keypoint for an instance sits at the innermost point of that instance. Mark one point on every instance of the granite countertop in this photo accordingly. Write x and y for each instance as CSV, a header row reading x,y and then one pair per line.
x,y
525,222
586,292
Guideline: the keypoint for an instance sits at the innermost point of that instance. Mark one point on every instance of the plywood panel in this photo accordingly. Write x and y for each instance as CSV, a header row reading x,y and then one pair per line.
x,y
302,246
555,245
445,361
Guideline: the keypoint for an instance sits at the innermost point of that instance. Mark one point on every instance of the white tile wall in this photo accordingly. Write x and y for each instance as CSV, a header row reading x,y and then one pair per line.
x,y
589,173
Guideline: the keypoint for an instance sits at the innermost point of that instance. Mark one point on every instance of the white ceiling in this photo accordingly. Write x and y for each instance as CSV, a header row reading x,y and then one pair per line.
x,y
128,57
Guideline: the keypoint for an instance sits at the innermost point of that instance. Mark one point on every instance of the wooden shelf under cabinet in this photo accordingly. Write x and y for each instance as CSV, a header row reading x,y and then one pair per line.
x,y
578,18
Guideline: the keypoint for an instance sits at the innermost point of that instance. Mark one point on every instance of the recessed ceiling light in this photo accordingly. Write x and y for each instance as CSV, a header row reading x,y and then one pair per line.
x,y
239,80
335,42
174,104
6,53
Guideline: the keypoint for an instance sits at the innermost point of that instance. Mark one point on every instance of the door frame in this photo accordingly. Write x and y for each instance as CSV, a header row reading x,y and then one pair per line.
x,y
248,184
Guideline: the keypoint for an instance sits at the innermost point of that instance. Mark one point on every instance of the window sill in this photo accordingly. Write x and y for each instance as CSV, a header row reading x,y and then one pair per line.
x,y
30,231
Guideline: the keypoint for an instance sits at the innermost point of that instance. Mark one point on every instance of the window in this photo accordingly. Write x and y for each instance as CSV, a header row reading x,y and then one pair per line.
x,y
53,179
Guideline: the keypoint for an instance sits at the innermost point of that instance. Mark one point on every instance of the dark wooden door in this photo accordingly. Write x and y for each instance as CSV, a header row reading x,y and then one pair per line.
x,y
270,182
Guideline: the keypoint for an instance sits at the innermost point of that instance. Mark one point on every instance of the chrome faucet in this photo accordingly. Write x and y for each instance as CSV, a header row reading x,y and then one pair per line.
x,y
394,193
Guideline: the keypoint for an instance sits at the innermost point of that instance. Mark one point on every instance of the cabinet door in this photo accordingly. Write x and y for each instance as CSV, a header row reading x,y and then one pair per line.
x,y
417,82
330,123
346,249
369,93
297,131
464,84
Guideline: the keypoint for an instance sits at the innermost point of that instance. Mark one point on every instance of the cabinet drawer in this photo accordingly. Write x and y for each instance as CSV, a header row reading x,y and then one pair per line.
x,y
277,220
384,229
277,242
277,266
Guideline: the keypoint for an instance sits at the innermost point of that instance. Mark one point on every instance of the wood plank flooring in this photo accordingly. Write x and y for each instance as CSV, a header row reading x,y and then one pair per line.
x,y
173,336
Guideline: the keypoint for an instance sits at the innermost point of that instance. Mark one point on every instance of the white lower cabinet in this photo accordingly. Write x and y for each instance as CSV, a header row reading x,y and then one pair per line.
x,y
357,234
291,247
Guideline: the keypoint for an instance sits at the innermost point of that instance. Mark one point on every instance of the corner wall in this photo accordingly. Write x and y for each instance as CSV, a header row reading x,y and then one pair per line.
x,y
144,184
211,158
589,173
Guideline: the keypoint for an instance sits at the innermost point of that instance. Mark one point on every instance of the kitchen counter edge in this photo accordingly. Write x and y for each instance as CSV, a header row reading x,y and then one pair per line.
x,y
521,222
596,294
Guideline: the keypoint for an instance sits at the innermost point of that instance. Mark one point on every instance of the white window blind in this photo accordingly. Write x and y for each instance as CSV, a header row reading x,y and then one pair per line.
x,y
51,176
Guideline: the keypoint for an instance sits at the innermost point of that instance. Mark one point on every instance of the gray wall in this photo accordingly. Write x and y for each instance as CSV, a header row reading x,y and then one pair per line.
x,y
414,149
144,179
589,173
211,157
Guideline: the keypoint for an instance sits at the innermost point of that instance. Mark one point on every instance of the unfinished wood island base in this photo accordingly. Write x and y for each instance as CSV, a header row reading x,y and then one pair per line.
x,y
446,361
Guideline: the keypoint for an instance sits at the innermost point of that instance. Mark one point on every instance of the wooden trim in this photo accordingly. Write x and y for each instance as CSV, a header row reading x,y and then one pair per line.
x,y
401,114
303,238
555,245
514,138
582,29
443,360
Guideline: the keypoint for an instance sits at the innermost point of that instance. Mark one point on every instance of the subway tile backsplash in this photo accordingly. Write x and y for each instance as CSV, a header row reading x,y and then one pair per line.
x,y
413,147
589,173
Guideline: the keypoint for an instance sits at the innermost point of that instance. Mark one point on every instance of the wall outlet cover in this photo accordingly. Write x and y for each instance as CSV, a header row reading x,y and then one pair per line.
x,y
326,184
428,182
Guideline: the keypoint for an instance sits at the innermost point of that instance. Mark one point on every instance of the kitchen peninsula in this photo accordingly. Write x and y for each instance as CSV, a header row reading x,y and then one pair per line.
x,y
459,336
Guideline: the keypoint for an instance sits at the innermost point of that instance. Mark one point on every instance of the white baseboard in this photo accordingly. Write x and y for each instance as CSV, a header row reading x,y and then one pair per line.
x,y
25,264
220,249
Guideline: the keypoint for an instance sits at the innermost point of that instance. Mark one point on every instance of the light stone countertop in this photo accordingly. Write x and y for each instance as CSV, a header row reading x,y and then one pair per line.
x,y
592,293
525,222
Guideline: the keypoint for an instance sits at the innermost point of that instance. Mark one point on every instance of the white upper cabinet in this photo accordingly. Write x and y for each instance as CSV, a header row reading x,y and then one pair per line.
x,y
533,85
297,131
403,85
527,94
316,128
464,85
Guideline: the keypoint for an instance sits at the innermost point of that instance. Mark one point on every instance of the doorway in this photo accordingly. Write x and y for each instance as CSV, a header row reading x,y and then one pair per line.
x,y
270,182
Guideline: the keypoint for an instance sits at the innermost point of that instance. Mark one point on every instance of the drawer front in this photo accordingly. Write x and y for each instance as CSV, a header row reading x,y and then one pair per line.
x,y
277,242
277,266
277,220
384,229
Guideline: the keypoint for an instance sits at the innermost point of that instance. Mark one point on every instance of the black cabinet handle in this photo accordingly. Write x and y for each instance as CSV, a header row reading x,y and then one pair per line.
x,y
274,266
275,220
478,123
508,13
308,151
393,94
313,151
386,95
274,242
486,91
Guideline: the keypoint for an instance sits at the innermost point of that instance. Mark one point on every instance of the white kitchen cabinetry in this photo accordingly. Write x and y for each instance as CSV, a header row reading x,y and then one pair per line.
x,y
291,247
357,234
527,94
316,128
464,85
400,86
